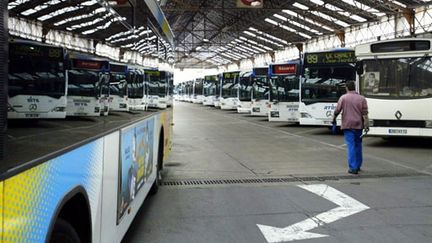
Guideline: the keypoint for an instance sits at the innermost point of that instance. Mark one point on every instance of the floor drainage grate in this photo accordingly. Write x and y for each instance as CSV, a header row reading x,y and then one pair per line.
x,y
282,179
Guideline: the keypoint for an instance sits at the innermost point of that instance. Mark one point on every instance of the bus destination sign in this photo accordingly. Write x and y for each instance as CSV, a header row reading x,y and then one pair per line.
x,y
284,69
231,75
329,58
260,71
36,51
87,64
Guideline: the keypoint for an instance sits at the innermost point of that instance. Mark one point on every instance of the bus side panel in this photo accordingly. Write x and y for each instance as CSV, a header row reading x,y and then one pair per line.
x,y
129,172
166,120
31,198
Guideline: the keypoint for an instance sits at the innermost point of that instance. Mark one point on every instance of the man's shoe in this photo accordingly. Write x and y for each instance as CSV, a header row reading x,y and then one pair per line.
x,y
355,172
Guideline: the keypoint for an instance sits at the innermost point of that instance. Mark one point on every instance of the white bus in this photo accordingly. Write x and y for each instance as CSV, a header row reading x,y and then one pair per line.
x,y
197,97
396,79
245,92
284,91
88,87
157,89
37,81
210,88
229,91
260,94
324,75
118,87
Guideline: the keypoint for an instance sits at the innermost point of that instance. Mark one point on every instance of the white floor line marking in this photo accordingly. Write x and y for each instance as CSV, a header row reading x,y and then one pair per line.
x,y
327,144
347,206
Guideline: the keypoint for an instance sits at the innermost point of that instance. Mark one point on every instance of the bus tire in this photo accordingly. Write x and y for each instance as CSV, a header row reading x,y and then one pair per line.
x,y
63,232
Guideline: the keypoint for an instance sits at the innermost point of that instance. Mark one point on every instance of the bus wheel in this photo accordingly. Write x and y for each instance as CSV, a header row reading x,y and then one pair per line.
x,y
63,232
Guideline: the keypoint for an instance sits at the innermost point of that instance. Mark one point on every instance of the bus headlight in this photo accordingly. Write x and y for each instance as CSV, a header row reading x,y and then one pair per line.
x,y
305,115
428,124
59,109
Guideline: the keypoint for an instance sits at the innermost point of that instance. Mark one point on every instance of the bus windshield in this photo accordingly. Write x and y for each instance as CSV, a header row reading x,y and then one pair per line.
x,y
261,88
35,76
84,83
399,78
118,85
135,85
326,83
229,88
209,88
245,89
198,87
156,86
284,88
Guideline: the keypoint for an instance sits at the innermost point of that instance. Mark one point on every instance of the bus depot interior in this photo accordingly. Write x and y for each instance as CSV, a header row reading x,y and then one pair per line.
x,y
214,121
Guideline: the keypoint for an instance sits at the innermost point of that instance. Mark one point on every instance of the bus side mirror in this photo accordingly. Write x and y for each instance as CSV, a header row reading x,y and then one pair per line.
x,y
359,68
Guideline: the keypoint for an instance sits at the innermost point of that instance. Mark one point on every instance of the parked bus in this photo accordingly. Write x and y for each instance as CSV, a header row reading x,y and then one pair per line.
x,y
37,83
210,88
245,92
396,79
88,87
119,87
136,89
324,75
197,97
157,89
260,94
229,91
285,90
81,181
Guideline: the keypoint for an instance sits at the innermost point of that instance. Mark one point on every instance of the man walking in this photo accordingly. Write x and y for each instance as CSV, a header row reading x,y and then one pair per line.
x,y
354,118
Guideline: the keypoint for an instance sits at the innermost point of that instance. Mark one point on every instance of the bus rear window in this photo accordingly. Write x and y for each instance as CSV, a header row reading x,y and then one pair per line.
x,y
400,46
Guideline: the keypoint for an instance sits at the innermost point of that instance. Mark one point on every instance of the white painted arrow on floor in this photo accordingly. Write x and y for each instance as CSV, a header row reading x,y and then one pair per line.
x,y
347,206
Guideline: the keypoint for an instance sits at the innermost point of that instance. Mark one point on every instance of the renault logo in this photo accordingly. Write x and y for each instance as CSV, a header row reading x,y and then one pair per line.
x,y
398,115
32,107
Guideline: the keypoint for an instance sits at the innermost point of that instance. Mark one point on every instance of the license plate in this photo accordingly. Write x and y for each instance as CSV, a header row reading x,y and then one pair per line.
x,y
32,115
327,122
255,109
398,131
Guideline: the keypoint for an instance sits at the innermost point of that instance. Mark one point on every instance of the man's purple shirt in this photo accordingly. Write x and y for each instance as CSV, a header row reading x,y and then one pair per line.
x,y
353,107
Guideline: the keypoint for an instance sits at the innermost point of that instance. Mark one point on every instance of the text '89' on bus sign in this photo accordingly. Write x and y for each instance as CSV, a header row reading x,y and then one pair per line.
x,y
339,57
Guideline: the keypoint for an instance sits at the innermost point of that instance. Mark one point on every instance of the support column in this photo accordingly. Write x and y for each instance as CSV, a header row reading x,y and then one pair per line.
x,y
409,15
300,49
3,74
341,36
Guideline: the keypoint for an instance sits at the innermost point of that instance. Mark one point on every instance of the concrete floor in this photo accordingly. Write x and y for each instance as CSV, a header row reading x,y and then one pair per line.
x,y
396,183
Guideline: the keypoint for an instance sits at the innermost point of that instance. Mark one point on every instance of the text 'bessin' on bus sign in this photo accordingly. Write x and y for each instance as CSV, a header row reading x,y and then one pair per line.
x,y
285,69
250,3
329,57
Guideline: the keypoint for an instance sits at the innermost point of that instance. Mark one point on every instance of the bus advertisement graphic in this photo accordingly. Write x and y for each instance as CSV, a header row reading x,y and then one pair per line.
x,y
136,162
